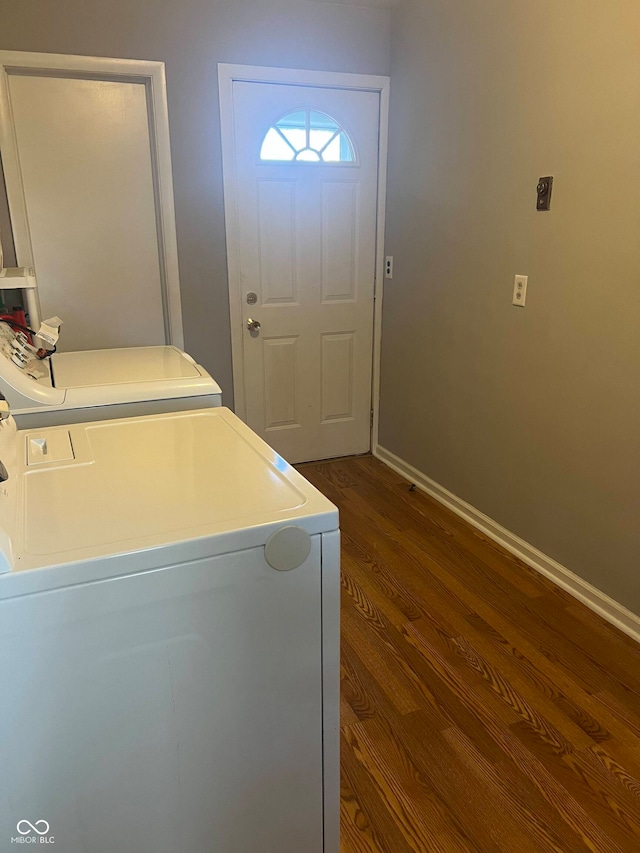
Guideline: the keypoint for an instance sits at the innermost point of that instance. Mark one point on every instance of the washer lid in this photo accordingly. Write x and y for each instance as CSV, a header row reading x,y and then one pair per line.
x,y
121,366
140,492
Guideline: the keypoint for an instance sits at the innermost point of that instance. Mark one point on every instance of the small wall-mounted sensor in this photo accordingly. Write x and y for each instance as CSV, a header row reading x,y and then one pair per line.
x,y
545,185
388,266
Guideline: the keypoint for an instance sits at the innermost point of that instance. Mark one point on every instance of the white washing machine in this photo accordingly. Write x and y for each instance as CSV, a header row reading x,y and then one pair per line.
x,y
72,387
169,641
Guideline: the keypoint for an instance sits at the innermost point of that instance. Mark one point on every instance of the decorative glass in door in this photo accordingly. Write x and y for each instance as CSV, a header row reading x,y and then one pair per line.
x,y
307,136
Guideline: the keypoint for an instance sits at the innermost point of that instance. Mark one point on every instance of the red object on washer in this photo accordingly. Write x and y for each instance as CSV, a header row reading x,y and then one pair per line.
x,y
17,319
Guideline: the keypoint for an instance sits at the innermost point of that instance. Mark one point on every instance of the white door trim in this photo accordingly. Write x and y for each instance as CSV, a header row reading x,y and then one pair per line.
x,y
227,74
152,75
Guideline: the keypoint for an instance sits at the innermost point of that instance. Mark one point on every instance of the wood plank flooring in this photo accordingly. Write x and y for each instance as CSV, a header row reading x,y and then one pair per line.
x,y
483,708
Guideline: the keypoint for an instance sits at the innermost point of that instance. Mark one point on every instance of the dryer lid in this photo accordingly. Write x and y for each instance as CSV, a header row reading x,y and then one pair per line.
x,y
126,365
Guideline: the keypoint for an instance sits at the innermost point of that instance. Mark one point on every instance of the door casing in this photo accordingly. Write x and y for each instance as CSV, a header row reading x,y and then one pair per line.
x,y
227,75
152,75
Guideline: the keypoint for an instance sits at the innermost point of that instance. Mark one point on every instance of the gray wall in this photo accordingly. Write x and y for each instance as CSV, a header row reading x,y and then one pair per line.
x,y
191,37
532,415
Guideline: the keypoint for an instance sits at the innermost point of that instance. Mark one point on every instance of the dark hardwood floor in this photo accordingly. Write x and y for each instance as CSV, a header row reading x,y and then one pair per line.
x,y
483,708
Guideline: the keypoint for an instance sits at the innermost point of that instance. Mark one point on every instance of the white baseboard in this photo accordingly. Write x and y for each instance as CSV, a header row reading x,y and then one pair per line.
x,y
594,598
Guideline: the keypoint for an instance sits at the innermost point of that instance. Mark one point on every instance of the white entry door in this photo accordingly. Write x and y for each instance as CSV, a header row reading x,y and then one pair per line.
x,y
301,230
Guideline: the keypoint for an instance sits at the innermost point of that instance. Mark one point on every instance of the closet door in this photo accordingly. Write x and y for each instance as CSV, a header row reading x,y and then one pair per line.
x,y
88,201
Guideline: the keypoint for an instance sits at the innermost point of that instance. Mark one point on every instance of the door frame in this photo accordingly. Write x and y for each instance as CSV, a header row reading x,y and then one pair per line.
x,y
151,74
227,75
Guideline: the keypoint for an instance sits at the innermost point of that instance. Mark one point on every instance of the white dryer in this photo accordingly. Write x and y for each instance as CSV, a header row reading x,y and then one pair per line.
x,y
169,641
72,387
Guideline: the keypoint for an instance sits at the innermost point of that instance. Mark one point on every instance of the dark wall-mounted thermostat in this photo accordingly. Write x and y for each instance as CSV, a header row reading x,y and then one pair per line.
x,y
544,188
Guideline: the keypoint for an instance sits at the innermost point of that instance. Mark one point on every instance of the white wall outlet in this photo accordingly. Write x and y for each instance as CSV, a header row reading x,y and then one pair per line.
x,y
388,266
520,290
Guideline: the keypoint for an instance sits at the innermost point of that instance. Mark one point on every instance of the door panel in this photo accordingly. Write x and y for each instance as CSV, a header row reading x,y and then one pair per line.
x,y
277,242
86,170
339,241
279,359
85,150
306,233
337,376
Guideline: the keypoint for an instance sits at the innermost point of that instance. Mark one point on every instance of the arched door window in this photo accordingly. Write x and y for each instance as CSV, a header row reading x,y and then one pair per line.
x,y
307,136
